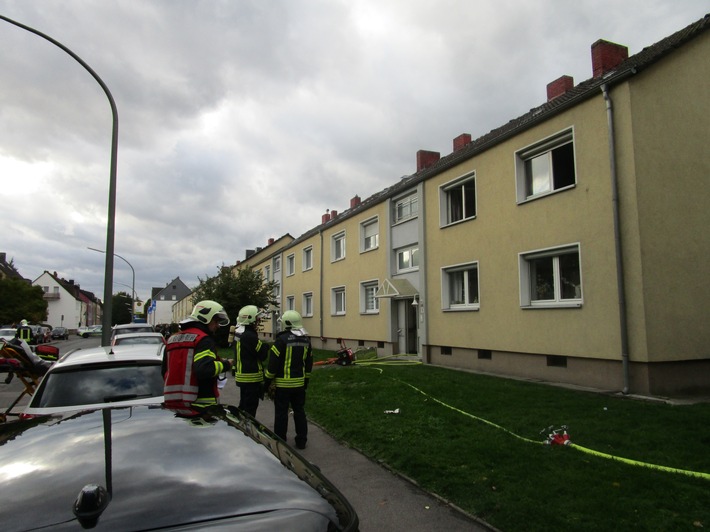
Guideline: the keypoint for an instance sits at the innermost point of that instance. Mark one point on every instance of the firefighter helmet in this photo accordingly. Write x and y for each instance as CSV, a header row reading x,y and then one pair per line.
x,y
248,315
23,323
292,320
206,311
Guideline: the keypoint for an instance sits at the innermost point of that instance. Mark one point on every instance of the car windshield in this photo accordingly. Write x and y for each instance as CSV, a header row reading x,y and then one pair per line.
x,y
100,384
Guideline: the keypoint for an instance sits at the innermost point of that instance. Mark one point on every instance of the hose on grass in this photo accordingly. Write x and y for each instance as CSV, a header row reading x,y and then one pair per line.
x,y
666,469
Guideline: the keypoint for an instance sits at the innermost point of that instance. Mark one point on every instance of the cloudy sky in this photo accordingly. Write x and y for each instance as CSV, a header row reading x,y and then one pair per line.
x,y
242,120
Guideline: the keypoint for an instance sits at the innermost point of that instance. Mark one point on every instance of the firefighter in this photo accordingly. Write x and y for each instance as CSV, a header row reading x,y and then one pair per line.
x,y
250,354
191,364
24,332
290,364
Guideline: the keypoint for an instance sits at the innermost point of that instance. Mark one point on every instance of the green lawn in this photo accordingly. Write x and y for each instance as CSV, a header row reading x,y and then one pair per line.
x,y
475,440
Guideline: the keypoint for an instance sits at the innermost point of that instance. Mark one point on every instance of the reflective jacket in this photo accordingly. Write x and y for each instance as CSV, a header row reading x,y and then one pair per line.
x,y
24,332
191,369
250,353
290,360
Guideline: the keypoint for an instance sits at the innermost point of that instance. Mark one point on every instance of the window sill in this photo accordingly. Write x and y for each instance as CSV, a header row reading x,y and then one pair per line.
x,y
462,308
369,249
457,222
556,304
336,260
370,313
545,194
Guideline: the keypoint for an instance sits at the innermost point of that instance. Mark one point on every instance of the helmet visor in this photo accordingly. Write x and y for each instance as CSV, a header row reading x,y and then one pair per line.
x,y
222,318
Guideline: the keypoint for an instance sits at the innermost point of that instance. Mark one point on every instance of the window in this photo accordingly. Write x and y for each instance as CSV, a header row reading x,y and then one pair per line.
x,y
458,200
291,264
369,234
277,265
546,167
551,278
267,273
307,304
459,287
337,247
337,301
290,303
276,292
408,259
369,304
405,208
308,258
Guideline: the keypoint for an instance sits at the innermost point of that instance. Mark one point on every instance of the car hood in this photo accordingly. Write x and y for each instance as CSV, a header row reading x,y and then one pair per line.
x,y
161,470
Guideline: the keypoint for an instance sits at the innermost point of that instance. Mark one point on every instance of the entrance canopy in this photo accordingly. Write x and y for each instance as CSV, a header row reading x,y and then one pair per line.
x,y
396,288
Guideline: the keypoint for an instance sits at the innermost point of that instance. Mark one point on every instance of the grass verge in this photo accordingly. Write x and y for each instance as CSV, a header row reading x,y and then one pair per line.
x,y
475,441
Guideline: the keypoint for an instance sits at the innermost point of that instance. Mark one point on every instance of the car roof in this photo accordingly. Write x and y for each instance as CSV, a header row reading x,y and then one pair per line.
x,y
242,477
123,326
93,355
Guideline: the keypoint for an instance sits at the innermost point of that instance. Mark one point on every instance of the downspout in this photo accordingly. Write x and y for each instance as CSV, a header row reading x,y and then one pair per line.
x,y
620,285
320,289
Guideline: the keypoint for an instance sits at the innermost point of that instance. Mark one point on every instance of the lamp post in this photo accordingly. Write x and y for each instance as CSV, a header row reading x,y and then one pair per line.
x,y
133,297
110,224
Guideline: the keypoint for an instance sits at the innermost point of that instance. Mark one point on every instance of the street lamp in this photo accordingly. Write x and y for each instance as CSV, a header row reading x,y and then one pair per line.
x,y
133,297
110,224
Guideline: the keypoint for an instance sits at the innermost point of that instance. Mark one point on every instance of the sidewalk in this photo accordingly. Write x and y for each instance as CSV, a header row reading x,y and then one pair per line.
x,y
382,500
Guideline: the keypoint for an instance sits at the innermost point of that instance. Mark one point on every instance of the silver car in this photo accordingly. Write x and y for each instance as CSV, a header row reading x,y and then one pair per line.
x,y
100,376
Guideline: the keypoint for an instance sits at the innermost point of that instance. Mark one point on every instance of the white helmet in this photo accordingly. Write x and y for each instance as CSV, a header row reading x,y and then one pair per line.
x,y
247,315
206,311
292,320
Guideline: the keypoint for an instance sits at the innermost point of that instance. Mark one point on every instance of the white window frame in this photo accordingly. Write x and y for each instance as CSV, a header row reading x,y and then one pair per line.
x,y
369,305
291,264
447,193
290,302
307,305
337,246
529,297
370,234
338,302
542,152
277,265
267,273
405,208
413,251
307,259
447,273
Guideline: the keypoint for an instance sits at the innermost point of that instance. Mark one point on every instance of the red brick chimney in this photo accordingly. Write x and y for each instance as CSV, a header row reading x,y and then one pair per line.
x,y
426,158
354,202
559,87
606,56
461,141
333,215
271,241
326,217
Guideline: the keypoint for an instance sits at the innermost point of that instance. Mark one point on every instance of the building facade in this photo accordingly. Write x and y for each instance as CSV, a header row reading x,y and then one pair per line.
x,y
569,245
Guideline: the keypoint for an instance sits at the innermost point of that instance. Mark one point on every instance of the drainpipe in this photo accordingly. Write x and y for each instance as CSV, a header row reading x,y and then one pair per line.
x,y
320,290
620,286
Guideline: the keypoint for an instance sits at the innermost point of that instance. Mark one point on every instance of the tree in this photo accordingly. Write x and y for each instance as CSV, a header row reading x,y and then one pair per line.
x,y
235,289
121,308
20,300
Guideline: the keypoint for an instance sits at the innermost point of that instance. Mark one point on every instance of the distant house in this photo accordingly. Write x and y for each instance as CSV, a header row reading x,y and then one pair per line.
x,y
67,304
163,299
8,270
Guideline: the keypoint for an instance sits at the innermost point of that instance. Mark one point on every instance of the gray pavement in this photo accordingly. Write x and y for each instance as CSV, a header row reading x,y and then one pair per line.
x,y
382,499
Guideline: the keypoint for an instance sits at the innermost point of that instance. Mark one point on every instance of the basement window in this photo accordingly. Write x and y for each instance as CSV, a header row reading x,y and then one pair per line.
x,y
445,350
485,354
556,361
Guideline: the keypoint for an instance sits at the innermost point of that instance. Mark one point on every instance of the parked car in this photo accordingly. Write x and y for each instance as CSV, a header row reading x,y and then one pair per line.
x,y
125,328
145,468
94,330
138,338
7,333
94,377
60,333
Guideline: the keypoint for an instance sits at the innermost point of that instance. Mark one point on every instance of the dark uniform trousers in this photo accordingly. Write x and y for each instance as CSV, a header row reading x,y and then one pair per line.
x,y
296,398
249,395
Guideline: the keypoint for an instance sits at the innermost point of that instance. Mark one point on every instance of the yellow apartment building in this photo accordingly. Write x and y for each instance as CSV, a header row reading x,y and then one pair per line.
x,y
569,245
